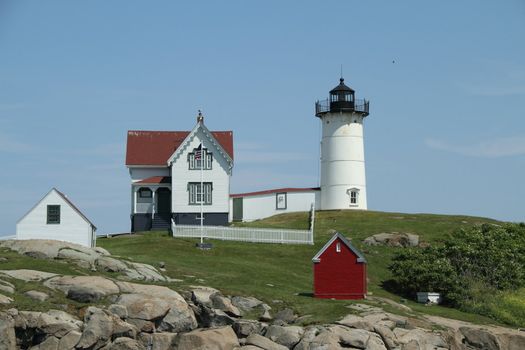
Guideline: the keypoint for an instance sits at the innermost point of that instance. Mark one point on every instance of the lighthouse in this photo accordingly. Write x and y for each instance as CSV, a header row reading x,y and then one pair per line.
x,y
343,180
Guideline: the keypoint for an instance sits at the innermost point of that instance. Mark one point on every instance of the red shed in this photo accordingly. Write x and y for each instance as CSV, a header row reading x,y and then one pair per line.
x,y
339,270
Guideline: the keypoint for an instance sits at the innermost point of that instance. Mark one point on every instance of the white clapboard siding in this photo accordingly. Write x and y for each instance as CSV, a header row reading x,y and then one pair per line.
x,y
138,174
73,227
256,207
218,175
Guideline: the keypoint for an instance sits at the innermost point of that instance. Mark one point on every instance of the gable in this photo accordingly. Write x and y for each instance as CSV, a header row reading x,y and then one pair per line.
x,y
342,239
64,200
156,147
206,137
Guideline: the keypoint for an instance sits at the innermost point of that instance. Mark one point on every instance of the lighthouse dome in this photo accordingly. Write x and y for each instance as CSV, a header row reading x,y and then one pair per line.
x,y
341,87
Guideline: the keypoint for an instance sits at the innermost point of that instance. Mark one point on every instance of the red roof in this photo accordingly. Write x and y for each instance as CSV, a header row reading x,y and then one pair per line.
x,y
155,147
156,180
277,190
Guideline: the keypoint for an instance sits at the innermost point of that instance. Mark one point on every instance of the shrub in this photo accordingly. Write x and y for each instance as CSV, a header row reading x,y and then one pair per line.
x,y
489,256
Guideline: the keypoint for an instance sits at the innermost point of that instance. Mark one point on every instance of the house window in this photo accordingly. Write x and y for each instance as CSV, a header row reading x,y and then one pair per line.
x,y
145,193
197,196
280,201
53,214
338,247
195,164
354,196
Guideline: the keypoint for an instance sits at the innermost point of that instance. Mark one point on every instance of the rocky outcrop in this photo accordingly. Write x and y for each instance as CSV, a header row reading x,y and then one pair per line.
x,y
394,239
7,332
6,287
85,289
264,343
202,339
28,275
164,320
5,300
288,336
87,258
36,295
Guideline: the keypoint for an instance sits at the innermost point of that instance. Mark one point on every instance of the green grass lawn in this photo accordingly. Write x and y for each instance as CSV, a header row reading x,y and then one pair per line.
x,y
281,275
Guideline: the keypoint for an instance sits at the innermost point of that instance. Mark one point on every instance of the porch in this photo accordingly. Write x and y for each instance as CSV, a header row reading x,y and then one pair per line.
x,y
151,204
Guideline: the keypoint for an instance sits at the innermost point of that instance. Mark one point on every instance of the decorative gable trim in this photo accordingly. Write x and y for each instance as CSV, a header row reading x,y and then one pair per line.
x,y
360,256
210,138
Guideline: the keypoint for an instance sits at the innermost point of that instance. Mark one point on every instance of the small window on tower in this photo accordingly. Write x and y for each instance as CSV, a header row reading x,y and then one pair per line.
x,y
353,193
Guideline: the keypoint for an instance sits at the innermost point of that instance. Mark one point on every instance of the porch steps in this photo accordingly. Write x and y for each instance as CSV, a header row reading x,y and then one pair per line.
x,y
161,222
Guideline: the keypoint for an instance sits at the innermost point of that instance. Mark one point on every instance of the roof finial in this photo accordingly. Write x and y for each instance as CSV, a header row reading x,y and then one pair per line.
x,y
200,117
341,79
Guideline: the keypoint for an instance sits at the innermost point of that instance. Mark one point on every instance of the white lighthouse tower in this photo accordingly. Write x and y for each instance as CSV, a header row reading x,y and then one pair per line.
x,y
343,180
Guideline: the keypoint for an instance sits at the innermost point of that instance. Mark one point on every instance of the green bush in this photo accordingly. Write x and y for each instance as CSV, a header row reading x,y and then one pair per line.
x,y
469,264
425,270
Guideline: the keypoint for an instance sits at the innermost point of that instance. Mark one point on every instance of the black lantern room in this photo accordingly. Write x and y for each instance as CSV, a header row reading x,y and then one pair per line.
x,y
342,99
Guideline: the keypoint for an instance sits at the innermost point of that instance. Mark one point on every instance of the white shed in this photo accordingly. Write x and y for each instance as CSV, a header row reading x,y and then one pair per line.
x,y
56,217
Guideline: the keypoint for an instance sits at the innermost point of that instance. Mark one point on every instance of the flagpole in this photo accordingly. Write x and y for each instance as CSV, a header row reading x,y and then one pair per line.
x,y
202,195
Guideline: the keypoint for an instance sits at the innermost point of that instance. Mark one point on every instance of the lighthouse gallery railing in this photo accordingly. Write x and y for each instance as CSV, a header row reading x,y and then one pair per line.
x,y
360,105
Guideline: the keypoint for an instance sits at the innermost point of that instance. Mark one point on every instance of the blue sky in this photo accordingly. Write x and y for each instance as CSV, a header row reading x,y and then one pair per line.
x,y
446,132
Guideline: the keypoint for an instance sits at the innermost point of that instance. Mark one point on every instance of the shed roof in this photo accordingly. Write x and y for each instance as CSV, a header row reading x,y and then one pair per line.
x,y
156,147
337,235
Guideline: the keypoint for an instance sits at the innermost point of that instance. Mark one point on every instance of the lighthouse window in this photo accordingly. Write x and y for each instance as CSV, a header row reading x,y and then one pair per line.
x,y
354,196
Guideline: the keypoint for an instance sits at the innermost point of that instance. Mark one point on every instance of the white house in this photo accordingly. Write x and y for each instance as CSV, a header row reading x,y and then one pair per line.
x,y
168,182
56,217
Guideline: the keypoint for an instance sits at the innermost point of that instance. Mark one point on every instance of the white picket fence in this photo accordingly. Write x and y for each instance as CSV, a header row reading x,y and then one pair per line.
x,y
247,234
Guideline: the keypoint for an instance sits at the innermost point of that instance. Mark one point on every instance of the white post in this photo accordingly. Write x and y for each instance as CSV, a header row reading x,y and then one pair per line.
x,y
153,203
135,200
202,194
312,222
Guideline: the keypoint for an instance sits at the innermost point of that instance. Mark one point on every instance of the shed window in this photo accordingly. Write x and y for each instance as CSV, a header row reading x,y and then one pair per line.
x,y
53,214
338,247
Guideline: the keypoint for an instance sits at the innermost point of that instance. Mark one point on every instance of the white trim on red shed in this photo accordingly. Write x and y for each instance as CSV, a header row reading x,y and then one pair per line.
x,y
337,235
